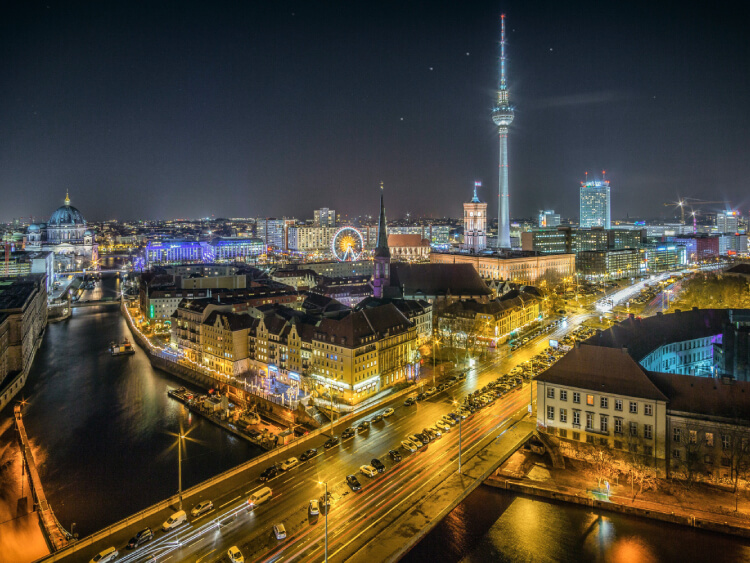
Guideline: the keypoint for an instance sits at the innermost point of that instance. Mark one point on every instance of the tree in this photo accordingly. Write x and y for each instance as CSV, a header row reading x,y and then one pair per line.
x,y
638,467
738,455
690,462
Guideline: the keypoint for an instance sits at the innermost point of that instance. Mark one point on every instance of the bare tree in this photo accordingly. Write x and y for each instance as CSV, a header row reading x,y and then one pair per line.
x,y
638,466
691,442
737,451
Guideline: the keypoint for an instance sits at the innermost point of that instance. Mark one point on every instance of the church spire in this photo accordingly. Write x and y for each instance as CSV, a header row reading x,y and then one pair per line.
x,y
382,249
67,198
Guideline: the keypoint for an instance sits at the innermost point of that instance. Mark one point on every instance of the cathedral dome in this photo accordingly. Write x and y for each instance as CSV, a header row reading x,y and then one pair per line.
x,y
66,215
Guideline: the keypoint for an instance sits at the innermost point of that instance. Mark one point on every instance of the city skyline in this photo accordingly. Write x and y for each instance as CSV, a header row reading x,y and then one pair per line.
x,y
188,111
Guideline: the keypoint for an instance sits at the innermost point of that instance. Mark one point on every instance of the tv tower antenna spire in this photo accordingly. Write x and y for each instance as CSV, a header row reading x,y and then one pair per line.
x,y
502,116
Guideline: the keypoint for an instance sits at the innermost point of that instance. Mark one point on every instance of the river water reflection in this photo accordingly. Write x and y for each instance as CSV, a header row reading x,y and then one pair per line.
x,y
104,429
493,525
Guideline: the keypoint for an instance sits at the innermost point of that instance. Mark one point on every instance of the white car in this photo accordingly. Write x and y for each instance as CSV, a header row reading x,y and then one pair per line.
x,y
288,464
201,507
235,555
435,430
443,425
416,441
432,390
449,420
368,470
279,531
408,445
109,554
388,412
314,508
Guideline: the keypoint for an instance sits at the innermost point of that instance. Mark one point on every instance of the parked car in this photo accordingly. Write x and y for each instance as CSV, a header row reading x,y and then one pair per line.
x,y
279,531
331,442
377,464
368,470
435,430
289,464
432,390
415,439
314,508
201,508
309,454
235,555
269,473
388,412
109,554
348,433
442,425
140,538
364,425
353,483
409,446
409,401
376,418
395,455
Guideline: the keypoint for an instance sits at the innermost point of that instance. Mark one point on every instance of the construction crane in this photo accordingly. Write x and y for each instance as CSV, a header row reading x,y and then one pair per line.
x,y
693,202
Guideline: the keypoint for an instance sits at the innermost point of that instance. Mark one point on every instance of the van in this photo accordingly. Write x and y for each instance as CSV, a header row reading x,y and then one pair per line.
x,y
260,496
175,520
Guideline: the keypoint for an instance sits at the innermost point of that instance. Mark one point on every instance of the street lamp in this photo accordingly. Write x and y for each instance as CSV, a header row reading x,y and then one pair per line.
x,y
459,438
435,342
179,466
325,507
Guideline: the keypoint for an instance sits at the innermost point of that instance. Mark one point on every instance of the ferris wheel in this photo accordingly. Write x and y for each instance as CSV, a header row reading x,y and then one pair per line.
x,y
347,244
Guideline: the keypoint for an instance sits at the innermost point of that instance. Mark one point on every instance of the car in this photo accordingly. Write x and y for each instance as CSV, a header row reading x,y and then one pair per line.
x,y
409,446
376,418
424,438
449,419
235,555
409,401
415,439
331,442
201,508
377,464
435,430
326,500
314,508
109,554
388,412
269,473
432,390
289,464
368,470
348,433
279,531
395,455
309,454
443,425
364,425
354,485
140,538
421,397
430,434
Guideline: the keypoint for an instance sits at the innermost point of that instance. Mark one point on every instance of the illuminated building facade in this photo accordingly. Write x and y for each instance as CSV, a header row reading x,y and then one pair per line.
x,y
521,267
595,204
727,222
475,223
548,218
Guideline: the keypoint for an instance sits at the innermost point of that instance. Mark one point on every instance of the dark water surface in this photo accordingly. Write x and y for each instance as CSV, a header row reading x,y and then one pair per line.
x,y
492,525
104,429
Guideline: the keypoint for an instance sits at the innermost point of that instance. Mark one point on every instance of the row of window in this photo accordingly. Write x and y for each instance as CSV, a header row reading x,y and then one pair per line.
x,y
633,447
708,438
648,429
648,409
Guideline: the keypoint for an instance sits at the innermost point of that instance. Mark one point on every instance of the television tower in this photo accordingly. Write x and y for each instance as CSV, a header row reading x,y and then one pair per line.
x,y
502,116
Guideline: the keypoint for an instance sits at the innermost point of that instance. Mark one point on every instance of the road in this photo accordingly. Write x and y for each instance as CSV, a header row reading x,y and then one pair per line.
x,y
208,537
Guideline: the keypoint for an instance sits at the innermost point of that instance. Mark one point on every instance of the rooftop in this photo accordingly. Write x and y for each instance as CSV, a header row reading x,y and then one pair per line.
x,y
604,370
438,279
705,395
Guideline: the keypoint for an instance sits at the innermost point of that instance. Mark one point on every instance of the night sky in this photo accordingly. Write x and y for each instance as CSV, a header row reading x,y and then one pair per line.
x,y
178,109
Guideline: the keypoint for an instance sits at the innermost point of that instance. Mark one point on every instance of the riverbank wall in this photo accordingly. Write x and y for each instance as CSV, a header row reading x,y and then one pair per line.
x,y
681,516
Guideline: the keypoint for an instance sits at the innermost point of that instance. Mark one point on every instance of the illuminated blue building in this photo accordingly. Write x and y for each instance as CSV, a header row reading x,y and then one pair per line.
x,y
174,251
236,248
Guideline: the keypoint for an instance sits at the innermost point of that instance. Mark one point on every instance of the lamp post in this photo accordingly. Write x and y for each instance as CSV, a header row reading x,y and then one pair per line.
x,y
179,466
325,506
435,342
459,438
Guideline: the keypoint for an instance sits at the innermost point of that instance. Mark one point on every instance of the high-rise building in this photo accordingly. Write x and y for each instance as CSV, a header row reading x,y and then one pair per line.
x,y
595,204
273,232
727,222
502,116
324,217
549,218
475,223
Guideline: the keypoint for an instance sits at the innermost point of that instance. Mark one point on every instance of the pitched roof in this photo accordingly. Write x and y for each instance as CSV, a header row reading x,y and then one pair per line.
x,y
407,240
234,321
604,370
438,279
352,329
382,251
705,395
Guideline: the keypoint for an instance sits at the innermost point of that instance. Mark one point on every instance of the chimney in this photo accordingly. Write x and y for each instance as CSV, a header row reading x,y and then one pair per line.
x,y
624,349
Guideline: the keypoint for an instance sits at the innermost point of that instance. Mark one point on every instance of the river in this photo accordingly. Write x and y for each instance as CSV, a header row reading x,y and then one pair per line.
x,y
103,428
495,525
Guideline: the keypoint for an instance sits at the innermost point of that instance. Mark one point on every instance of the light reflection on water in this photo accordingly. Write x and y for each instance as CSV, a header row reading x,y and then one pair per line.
x,y
492,525
103,427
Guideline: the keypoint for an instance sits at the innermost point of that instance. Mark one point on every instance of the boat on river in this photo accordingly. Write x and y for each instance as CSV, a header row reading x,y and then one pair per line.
x,y
124,348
